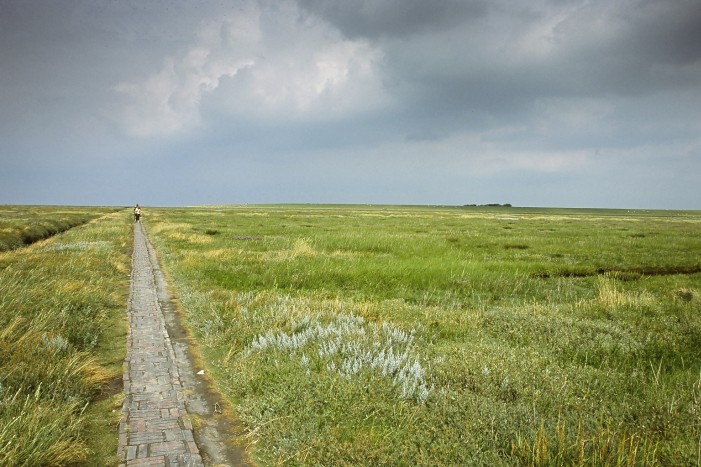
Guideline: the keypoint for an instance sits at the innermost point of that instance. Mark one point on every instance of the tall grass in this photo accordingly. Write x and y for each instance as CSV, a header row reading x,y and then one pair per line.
x,y
427,336
608,446
61,299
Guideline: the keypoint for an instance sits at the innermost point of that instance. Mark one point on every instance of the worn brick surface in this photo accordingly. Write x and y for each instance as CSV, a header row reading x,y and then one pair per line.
x,y
155,429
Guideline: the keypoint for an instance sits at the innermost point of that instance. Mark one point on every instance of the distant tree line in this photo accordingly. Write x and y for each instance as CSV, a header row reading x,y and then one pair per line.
x,y
505,205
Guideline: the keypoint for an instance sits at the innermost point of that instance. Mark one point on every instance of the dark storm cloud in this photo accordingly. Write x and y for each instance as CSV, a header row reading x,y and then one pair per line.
x,y
630,47
395,18
473,64
594,47
662,32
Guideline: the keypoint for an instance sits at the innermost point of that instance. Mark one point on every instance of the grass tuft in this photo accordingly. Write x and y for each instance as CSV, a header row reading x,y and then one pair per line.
x,y
605,446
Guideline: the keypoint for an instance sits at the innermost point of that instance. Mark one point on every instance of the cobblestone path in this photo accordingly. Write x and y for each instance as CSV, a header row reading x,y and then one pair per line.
x,y
155,429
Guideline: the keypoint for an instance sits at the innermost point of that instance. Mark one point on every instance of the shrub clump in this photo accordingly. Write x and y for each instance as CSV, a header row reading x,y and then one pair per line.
x,y
348,345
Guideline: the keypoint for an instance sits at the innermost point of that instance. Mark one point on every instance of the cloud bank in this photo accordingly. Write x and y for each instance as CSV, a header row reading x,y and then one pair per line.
x,y
580,103
263,63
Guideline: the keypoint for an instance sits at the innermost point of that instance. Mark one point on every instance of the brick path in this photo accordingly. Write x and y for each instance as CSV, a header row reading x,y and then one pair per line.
x,y
155,429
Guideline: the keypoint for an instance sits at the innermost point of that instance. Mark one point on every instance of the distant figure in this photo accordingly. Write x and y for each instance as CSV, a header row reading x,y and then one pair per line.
x,y
137,213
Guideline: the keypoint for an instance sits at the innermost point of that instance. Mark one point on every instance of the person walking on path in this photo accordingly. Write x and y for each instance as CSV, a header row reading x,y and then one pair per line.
x,y
137,213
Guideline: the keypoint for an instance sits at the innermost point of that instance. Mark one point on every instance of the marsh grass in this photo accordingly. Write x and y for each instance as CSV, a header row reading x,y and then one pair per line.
x,y
570,337
24,225
61,300
609,446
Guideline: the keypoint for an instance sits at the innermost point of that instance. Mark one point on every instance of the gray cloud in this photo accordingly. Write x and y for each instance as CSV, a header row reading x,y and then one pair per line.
x,y
545,102
396,18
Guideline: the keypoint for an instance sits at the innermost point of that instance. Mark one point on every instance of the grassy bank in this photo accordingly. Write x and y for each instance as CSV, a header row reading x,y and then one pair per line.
x,y
375,335
24,225
62,342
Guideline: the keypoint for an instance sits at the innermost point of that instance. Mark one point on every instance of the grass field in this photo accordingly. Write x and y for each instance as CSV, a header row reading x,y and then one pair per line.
x,y
24,225
435,335
62,335
371,334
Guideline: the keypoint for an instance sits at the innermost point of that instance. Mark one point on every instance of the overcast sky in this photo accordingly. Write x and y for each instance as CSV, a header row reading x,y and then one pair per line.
x,y
535,103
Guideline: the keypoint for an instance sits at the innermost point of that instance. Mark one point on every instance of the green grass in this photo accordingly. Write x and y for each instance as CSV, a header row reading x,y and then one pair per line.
x,y
373,334
24,225
438,335
62,341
